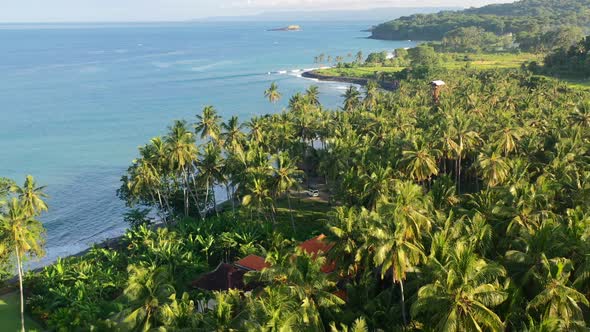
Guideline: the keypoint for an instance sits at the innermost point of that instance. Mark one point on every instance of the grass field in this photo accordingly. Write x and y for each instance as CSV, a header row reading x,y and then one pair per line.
x,y
456,61
578,84
10,314
450,61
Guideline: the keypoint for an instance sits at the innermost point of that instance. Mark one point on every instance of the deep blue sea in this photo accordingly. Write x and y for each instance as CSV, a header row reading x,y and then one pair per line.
x,y
77,100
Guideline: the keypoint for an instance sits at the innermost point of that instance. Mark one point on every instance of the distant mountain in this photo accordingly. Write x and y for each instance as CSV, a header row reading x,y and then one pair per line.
x,y
376,15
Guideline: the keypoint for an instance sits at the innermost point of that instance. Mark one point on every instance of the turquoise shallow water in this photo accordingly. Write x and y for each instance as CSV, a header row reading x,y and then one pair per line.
x,y
77,100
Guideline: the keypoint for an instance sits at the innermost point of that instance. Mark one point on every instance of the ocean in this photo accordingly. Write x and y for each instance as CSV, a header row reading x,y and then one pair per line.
x,y
78,99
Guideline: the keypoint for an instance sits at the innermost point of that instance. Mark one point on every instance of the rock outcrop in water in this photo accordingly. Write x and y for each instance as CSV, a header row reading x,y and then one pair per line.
x,y
288,28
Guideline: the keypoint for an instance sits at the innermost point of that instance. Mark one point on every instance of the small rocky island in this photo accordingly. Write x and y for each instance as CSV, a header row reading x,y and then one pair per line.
x,y
288,28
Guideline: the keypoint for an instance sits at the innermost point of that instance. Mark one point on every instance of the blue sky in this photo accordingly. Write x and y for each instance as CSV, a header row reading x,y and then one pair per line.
x,y
172,10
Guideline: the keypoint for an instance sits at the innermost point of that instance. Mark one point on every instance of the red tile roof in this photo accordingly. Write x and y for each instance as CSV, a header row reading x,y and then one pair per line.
x,y
315,245
252,263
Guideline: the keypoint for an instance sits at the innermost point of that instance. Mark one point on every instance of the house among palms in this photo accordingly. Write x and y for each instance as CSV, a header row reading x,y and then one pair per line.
x,y
231,276
319,246
223,278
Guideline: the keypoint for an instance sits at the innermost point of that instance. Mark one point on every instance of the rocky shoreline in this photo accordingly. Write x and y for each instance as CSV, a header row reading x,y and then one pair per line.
x,y
386,85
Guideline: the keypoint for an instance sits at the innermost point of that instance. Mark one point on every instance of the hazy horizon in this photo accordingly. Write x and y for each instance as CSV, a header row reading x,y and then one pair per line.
x,y
107,11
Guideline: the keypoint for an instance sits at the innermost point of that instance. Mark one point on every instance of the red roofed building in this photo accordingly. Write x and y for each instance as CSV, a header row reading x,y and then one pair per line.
x,y
252,263
316,245
224,277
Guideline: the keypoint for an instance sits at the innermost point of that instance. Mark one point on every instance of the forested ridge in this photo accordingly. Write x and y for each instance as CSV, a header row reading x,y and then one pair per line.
x,y
531,22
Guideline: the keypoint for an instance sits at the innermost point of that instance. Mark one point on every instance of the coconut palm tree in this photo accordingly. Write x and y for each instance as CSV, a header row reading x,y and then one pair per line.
x,y
352,98
302,278
371,95
181,154
312,95
377,185
493,168
558,300
149,293
395,239
25,234
272,94
462,296
286,176
420,161
507,140
232,133
208,123
348,233
210,166
31,196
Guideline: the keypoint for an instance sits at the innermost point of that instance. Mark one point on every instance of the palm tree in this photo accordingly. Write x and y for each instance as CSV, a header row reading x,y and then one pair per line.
x,y
312,95
359,57
377,185
493,167
273,310
420,161
258,194
25,233
371,95
507,140
558,300
348,227
462,296
395,239
301,277
31,196
286,175
208,123
182,154
352,98
210,168
149,293
272,94
232,134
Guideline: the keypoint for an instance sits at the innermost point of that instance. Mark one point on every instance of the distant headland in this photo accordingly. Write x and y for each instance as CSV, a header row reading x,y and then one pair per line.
x,y
288,28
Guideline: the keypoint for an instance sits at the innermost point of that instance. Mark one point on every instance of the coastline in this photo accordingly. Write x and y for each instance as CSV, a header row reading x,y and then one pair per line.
x,y
313,74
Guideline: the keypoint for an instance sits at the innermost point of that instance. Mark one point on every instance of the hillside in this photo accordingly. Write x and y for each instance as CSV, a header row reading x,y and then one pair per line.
x,y
530,21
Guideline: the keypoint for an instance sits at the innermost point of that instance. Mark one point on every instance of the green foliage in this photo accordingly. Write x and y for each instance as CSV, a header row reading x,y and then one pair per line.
x,y
473,40
137,217
569,61
466,214
535,24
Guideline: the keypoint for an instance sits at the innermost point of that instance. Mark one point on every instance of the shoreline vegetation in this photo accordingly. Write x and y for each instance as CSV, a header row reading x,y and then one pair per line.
x,y
465,188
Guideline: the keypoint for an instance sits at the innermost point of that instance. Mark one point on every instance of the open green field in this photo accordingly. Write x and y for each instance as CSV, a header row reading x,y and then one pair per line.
x,y
362,72
488,61
450,61
456,61
578,83
10,314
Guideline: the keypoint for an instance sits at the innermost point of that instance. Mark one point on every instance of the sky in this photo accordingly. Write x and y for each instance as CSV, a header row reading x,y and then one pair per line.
x,y
179,10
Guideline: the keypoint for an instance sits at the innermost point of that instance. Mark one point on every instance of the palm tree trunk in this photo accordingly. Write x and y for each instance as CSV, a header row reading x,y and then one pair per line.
x,y
230,197
207,196
291,212
214,201
403,302
20,284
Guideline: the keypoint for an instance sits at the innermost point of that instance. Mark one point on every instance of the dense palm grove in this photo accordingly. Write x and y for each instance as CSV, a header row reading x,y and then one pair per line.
x,y
470,214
